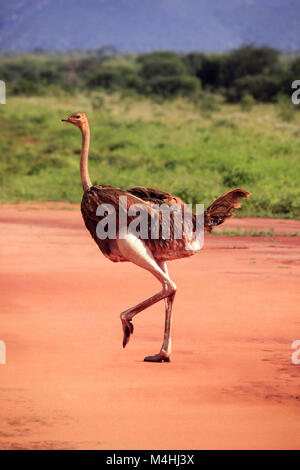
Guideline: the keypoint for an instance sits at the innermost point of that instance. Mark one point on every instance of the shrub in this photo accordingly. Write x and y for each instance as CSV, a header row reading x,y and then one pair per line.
x,y
171,86
211,71
208,104
194,63
247,102
110,77
261,87
98,101
237,177
295,68
161,64
249,60
285,108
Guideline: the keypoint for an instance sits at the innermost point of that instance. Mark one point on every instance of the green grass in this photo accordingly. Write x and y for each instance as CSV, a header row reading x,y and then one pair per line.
x,y
174,146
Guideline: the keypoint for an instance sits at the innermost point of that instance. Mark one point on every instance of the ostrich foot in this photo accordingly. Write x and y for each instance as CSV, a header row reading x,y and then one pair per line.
x,y
162,356
128,330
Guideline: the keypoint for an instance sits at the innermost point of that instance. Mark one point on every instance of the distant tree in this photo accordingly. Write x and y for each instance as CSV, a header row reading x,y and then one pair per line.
x,y
194,63
169,87
107,50
211,71
38,50
161,64
291,73
295,68
249,60
112,77
261,87
256,71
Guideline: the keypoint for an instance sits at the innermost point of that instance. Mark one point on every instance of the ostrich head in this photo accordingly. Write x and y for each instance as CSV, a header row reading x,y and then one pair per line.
x,y
78,119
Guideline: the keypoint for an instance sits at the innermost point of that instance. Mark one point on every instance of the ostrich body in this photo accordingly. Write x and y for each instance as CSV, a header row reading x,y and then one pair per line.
x,y
150,254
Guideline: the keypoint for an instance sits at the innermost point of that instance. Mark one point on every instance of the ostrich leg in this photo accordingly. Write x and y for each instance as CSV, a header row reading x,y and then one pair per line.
x,y
165,351
135,250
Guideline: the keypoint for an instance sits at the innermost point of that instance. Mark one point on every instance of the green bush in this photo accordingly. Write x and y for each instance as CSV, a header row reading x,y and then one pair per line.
x,y
237,177
98,101
261,87
247,102
208,104
295,68
211,72
249,61
194,63
257,71
171,86
161,64
115,77
285,108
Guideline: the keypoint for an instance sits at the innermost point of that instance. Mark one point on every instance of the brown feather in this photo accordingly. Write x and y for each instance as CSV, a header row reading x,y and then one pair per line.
x,y
223,208
155,195
104,194
162,249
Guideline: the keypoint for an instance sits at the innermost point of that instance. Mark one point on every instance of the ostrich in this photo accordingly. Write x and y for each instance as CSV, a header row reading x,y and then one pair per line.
x,y
149,254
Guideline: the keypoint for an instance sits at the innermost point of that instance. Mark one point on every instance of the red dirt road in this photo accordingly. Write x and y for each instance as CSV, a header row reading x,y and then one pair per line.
x,y
68,383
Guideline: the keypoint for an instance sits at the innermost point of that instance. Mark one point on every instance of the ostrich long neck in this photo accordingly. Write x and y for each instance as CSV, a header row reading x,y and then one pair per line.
x,y
84,172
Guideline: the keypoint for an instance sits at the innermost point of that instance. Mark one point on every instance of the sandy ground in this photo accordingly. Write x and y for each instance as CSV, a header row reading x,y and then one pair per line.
x,y
68,383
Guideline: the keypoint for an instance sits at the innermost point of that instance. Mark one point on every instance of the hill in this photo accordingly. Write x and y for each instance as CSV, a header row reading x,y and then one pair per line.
x,y
135,25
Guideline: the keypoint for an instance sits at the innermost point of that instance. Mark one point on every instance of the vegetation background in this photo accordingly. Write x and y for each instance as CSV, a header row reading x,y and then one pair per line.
x,y
193,124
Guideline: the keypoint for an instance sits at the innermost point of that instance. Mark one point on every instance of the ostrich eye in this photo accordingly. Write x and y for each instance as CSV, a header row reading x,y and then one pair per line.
x,y
78,117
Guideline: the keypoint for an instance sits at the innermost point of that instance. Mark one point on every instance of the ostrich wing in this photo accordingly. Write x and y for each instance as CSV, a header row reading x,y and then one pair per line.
x,y
104,194
155,196
220,209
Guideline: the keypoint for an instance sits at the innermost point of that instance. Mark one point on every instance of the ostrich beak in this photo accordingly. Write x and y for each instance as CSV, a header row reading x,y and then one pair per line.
x,y
66,120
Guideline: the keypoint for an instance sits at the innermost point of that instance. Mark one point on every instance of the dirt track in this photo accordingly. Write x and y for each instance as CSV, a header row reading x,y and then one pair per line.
x,y
69,384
